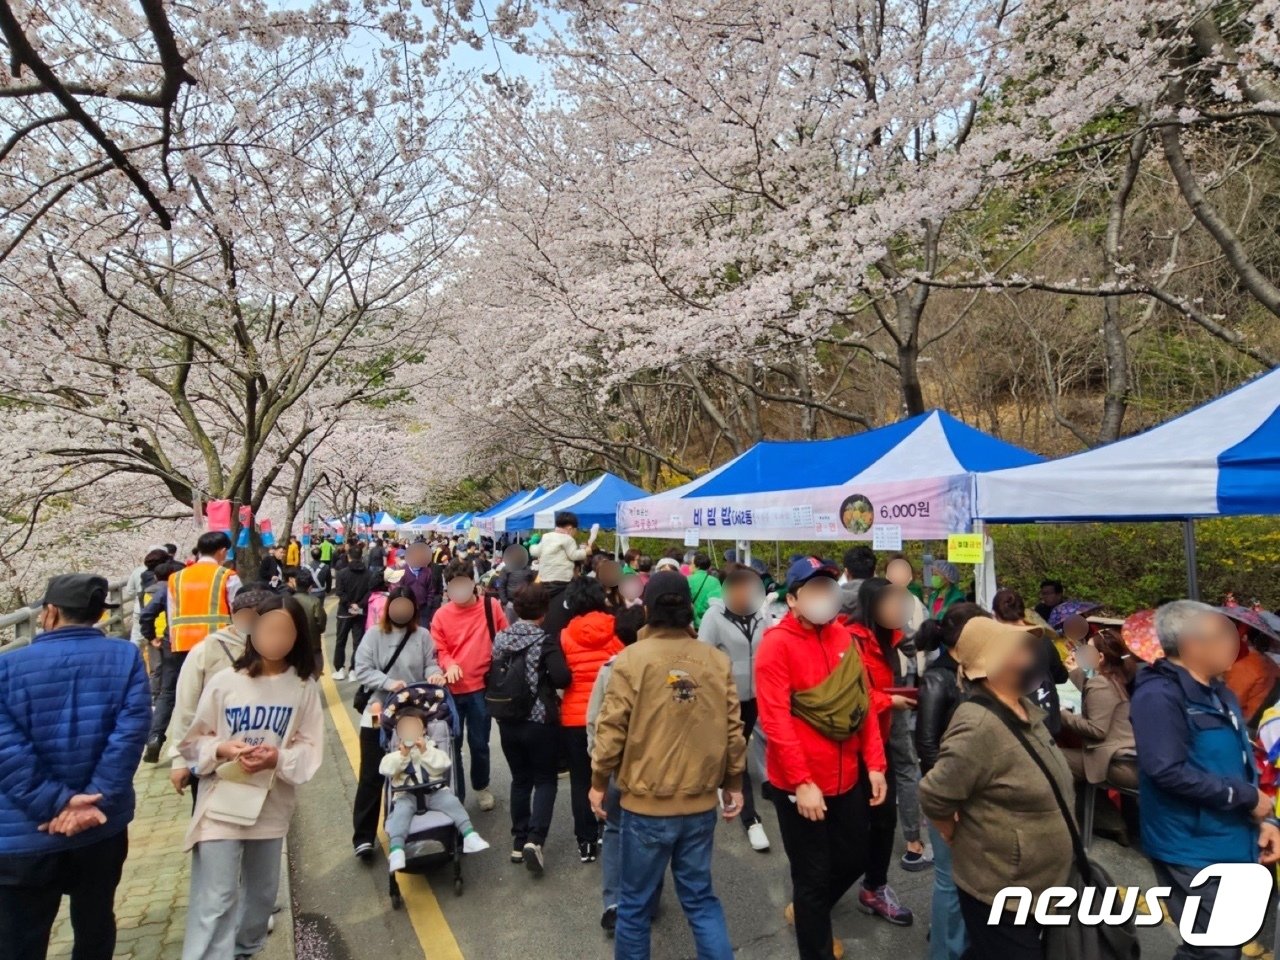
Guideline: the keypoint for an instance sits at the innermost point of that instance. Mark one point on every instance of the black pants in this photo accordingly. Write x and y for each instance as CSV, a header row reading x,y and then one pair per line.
x,y
364,818
1003,941
531,750
32,888
749,715
826,858
585,825
170,666
352,627
557,616
1178,880
882,831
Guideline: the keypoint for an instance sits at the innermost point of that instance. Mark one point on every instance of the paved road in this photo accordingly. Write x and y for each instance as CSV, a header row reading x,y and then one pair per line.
x,y
343,910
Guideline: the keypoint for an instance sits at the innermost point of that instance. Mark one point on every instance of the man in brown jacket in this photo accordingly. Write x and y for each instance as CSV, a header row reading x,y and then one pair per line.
x,y
670,731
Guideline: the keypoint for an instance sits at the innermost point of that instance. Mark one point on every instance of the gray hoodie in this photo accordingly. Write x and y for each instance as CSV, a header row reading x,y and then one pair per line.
x,y
739,638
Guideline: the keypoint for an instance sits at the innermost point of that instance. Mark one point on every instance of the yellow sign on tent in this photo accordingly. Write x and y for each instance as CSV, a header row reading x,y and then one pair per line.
x,y
964,548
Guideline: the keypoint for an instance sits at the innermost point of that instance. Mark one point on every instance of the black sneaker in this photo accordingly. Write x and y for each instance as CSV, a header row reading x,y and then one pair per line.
x,y
364,852
588,851
152,753
532,856
609,921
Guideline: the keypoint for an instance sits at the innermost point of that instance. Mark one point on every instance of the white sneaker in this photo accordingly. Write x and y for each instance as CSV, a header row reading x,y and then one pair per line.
x,y
339,675
756,837
395,860
471,843
485,799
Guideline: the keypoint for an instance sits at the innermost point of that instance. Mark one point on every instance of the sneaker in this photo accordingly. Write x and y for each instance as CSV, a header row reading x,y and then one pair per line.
x,y
364,851
757,838
914,862
485,799
533,858
517,855
883,902
588,851
339,675
152,753
837,948
395,860
474,843
609,921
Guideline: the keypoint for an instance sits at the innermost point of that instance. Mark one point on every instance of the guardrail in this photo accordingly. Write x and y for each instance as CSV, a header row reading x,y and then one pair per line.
x,y
19,627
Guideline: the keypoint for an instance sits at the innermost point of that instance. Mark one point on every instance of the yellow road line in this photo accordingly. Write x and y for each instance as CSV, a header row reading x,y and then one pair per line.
x,y
420,901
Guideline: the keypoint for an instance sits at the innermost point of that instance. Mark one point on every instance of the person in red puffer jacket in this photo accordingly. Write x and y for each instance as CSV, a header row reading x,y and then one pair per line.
x,y
882,610
589,643
823,789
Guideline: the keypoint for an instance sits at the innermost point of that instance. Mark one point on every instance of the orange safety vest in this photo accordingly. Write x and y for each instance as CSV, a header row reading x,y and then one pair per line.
x,y
198,599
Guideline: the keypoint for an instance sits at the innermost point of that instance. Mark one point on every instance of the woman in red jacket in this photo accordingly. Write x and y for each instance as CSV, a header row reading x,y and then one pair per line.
x,y
589,643
883,610
823,788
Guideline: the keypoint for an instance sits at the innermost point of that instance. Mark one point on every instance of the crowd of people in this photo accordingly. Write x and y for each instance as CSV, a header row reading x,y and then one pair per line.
x,y
860,700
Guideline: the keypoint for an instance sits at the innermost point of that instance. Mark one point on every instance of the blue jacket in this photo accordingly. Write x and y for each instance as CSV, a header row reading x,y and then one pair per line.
x,y
75,707
1196,777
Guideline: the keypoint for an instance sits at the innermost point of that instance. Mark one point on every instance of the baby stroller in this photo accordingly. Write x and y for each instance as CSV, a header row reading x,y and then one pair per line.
x,y
433,839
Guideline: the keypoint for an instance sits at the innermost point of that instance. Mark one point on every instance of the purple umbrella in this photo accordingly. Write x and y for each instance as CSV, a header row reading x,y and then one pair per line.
x,y
1252,619
1069,608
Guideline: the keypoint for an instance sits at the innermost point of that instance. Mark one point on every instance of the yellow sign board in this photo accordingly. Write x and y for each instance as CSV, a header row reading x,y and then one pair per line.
x,y
964,548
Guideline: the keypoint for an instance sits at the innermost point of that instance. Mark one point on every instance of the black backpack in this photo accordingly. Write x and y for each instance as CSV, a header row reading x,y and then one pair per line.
x,y
507,693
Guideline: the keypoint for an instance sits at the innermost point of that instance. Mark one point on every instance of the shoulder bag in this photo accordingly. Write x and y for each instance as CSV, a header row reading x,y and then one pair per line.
x,y
838,706
1074,941
364,694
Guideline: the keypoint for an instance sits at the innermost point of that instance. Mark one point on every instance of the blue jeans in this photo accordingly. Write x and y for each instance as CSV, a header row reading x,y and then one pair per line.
x,y
474,717
648,845
611,852
948,938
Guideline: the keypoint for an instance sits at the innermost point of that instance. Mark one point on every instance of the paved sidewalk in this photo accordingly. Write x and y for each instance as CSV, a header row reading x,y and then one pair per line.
x,y
151,901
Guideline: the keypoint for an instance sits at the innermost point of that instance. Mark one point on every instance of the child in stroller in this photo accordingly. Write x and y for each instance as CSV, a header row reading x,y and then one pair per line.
x,y
417,772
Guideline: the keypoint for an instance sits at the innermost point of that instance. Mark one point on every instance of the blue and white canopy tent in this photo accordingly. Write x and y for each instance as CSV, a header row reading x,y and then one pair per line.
x,y
508,501
419,524
521,518
596,503
384,522
916,475
1220,459
485,521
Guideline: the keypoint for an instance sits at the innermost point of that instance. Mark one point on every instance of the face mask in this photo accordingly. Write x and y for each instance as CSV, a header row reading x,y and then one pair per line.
x,y
936,581
460,591
1030,679
820,609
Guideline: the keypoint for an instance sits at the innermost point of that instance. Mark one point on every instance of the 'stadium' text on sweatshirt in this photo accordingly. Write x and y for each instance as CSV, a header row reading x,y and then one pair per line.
x,y
255,710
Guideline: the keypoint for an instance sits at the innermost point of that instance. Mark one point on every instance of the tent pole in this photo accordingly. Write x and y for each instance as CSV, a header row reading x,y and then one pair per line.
x,y
743,552
1189,548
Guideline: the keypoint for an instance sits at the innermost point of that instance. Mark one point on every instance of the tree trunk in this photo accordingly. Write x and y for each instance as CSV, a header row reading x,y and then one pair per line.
x,y
909,377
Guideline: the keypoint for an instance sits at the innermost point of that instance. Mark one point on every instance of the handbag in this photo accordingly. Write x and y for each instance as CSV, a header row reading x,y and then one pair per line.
x,y
364,694
237,796
1075,940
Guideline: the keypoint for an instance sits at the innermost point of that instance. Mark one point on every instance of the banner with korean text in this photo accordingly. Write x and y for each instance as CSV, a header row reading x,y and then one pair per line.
x,y
925,509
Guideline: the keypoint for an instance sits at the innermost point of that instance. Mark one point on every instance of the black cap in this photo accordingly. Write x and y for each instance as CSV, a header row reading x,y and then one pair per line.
x,y
77,591
666,581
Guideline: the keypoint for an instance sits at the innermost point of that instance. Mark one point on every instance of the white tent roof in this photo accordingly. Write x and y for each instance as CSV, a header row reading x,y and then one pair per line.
x,y
1219,459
